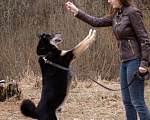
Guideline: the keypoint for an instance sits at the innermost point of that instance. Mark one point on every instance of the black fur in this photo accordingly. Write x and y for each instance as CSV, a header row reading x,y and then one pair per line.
x,y
55,81
28,111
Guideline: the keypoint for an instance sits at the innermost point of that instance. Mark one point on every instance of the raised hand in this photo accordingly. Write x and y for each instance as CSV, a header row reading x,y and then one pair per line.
x,y
70,6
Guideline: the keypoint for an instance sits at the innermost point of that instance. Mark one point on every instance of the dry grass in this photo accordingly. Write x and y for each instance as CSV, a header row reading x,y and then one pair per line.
x,y
86,101
22,20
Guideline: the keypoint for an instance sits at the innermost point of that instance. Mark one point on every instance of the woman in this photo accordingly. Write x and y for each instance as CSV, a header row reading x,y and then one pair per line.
x,y
133,42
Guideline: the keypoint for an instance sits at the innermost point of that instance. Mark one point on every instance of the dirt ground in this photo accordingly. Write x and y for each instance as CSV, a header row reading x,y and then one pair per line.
x,y
86,101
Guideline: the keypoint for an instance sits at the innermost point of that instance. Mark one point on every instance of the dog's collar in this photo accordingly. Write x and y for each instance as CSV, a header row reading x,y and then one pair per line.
x,y
48,54
46,61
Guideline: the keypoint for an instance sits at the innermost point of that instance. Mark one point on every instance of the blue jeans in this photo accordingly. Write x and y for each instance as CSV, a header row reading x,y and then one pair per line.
x,y
133,96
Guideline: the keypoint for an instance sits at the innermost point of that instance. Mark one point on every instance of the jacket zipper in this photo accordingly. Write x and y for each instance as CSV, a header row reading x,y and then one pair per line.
x,y
122,20
117,23
120,50
118,36
120,44
131,46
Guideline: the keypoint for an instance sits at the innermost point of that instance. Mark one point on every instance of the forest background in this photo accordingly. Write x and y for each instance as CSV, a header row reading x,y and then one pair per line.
x,y
22,20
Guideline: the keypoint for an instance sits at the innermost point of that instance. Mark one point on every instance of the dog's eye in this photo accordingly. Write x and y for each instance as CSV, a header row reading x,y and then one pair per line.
x,y
42,48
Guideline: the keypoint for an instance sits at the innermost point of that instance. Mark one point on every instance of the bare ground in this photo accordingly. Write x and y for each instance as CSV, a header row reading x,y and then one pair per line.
x,y
86,101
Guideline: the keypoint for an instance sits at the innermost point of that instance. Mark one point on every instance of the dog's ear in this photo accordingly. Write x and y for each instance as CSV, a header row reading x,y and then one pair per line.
x,y
39,35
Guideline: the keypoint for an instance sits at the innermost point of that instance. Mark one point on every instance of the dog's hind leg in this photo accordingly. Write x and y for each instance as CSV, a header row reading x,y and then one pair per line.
x,y
58,110
83,45
57,113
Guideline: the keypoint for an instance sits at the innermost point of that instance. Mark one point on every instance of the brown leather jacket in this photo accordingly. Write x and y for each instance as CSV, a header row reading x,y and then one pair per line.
x,y
129,30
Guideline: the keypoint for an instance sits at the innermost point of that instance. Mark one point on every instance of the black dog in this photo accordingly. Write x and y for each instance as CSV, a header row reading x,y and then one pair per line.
x,y
56,82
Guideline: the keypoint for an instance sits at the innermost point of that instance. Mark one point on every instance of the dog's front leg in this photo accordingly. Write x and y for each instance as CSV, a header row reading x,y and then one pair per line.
x,y
83,45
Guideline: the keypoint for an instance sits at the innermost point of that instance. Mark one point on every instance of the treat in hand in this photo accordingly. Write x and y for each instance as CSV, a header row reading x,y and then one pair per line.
x,y
70,6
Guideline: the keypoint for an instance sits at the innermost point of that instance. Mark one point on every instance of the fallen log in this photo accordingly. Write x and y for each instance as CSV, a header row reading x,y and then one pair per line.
x,y
8,90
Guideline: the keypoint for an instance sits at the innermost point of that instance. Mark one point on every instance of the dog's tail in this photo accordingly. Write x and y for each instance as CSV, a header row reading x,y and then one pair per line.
x,y
28,109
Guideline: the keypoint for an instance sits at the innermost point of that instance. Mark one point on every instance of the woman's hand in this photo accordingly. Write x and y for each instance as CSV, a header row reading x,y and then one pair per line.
x,y
70,6
142,70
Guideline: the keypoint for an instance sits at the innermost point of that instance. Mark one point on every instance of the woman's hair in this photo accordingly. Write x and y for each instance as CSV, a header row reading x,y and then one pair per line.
x,y
113,11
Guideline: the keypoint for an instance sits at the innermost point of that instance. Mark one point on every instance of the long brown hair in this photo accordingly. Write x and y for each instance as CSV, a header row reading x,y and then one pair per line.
x,y
113,11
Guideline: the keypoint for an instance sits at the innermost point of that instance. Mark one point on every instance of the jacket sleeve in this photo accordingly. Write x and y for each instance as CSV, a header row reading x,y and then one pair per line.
x,y
138,26
95,22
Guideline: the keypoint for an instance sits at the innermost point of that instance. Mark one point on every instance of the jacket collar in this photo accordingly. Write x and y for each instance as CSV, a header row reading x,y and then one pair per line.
x,y
120,10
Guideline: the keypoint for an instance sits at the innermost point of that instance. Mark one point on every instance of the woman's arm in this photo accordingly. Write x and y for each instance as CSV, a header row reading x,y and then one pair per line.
x,y
96,22
136,19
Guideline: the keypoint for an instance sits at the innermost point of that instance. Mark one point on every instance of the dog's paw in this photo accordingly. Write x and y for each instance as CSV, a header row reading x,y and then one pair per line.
x,y
94,32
